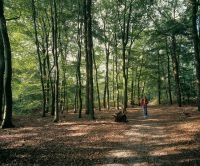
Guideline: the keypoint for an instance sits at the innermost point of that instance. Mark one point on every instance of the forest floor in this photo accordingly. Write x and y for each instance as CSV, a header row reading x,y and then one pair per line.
x,y
170,136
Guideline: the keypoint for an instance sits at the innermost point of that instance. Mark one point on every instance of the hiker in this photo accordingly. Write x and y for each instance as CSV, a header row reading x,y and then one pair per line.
x,y
143,103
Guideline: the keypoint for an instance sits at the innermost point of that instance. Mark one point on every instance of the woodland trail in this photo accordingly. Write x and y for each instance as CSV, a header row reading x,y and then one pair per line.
x,y
169,136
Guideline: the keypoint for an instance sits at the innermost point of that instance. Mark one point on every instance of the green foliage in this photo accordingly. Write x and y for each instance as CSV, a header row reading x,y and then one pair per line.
x,y
152,24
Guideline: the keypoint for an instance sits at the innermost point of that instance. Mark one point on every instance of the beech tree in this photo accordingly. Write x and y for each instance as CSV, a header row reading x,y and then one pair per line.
x,y
6,72
2,68
89,57
195,4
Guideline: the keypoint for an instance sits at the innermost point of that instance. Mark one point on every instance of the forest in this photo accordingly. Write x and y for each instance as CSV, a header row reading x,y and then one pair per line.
x,y
76,63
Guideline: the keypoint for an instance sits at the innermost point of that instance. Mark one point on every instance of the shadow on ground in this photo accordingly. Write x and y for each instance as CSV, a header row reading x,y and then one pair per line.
x,y
166,138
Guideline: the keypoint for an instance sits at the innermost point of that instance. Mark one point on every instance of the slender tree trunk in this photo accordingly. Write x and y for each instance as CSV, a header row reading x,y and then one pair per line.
x,y
44,88
97,83
2,69
196,47
79,56
133,87
55,55
117,80
46,63
125,38
39,56
116,70
48,76
63,73
7,118
169,75
113,81
52,96
90,60
106,85
79,82
158,80
176,70
133,84
138,81
128,60
76,97
86,55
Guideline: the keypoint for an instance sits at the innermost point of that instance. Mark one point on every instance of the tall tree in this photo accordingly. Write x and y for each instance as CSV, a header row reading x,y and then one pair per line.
x,y
41,70
89,57
125,28
7,118
79,55
54,19
2,68
158,78
168,74
195,4
106,102
176,69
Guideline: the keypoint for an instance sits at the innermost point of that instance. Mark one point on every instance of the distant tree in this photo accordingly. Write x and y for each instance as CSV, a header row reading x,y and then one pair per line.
x,y
106,96
125,28
79,55
7,118
39,56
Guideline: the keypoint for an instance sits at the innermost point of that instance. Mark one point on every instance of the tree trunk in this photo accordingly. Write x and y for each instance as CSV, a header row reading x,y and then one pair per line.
x,y
176,70
55,55
196,47
39,56
117,80
133,84
97,83
128,60
116,71
158,80
169,75
48,83
79,82
86,55
89,58
7,118
138,81
2,69
113,81
52,96
106,86
45,64
125,38
79,56
44,88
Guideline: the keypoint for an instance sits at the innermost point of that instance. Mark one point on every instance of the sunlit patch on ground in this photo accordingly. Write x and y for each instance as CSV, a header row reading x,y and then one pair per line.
x,y
76,134
166,137
164,151
121,153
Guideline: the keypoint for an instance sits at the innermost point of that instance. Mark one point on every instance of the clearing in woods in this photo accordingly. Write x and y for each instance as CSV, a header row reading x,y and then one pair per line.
x,y
169,136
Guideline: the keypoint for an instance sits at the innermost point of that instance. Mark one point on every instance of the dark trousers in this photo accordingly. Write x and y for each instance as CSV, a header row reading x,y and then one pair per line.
x,y
145,110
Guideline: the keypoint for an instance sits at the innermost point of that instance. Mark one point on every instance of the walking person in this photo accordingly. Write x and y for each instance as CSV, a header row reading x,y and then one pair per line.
x,y
144,101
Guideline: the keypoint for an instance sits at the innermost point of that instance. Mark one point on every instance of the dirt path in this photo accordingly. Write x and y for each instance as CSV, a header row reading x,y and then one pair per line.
x,y
169,136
